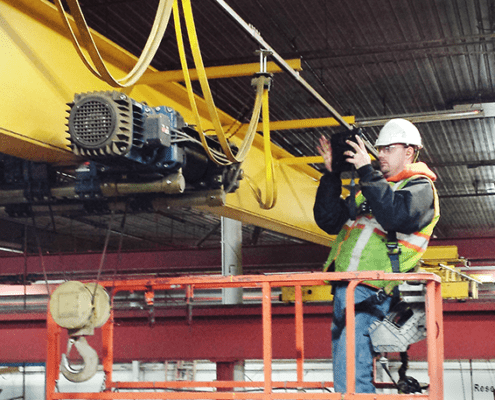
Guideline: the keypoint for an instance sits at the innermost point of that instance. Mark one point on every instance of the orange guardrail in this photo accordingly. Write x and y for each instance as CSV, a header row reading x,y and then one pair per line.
x,y
267,388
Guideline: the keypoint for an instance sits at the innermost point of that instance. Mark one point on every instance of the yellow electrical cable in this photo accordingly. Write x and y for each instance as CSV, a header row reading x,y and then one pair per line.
x,y
261,101
99,69
185,69
262,83
227,158
271,188
203,80
162,17
205,87
192,100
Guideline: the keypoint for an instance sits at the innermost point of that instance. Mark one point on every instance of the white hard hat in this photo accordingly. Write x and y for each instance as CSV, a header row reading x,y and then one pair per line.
x,y
399,130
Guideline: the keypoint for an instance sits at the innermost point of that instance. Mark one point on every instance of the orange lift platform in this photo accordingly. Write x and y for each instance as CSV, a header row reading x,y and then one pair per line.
x,y
268,389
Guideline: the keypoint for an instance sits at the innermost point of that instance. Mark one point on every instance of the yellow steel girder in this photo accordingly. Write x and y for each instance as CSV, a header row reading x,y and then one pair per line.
x,y
435,254
41,72
455,284
302,123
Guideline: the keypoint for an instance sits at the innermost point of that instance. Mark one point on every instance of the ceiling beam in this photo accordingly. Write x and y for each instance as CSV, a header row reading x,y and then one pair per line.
x,y
300,124
219,72
427,47
256,259
433,116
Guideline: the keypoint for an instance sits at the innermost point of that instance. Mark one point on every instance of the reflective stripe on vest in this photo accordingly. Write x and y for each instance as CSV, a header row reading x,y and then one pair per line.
x,y
369,226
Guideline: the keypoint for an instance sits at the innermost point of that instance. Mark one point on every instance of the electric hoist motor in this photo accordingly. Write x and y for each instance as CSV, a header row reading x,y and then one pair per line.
x,y
127,138
111,126
127,153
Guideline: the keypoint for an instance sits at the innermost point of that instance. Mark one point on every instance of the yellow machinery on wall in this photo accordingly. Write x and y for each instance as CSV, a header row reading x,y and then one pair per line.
x,y
443,261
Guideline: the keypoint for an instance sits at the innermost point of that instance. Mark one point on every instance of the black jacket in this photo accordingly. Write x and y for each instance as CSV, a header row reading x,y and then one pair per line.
x,y
407,210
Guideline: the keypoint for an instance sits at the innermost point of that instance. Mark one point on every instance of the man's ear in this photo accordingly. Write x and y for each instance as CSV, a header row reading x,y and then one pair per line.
x,y
410,152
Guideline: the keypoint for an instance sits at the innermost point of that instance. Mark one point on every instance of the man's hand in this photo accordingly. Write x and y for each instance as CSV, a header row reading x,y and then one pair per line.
x,y
361,157
325,151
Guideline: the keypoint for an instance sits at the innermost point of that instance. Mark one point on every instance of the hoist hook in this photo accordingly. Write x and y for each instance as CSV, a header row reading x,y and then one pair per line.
x,y
90,361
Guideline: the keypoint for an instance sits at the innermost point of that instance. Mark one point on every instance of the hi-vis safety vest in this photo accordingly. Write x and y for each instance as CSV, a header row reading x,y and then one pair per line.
x,y
361,244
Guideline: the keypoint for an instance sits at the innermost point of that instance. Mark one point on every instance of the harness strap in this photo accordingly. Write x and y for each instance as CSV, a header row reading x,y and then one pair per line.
x,y
352,204
393,251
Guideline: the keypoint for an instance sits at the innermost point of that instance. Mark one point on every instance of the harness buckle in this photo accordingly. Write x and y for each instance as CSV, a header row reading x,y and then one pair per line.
x,y
393,248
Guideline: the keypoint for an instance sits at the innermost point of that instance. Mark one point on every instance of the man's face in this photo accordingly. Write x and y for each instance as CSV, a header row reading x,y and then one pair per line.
x,y
393,158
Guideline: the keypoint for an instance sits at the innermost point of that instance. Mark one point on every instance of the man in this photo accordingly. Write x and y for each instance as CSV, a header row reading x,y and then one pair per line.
x,y
397,207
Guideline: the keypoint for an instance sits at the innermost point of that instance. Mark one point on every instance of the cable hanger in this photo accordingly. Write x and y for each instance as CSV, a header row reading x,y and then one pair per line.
x,y
271,188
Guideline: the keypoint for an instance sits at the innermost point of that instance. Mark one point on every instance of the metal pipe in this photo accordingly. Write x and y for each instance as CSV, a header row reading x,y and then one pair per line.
x,y
455,196
172,184
211,198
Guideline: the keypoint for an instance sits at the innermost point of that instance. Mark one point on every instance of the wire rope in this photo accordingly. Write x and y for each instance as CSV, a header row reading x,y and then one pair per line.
x,y
103,256
40,252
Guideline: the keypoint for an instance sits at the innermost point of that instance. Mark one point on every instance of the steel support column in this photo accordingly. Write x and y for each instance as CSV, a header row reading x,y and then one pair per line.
x,y
231,258
229,371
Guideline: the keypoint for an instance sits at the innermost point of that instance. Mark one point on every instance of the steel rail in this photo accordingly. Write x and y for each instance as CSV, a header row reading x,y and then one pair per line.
x,y
254,33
